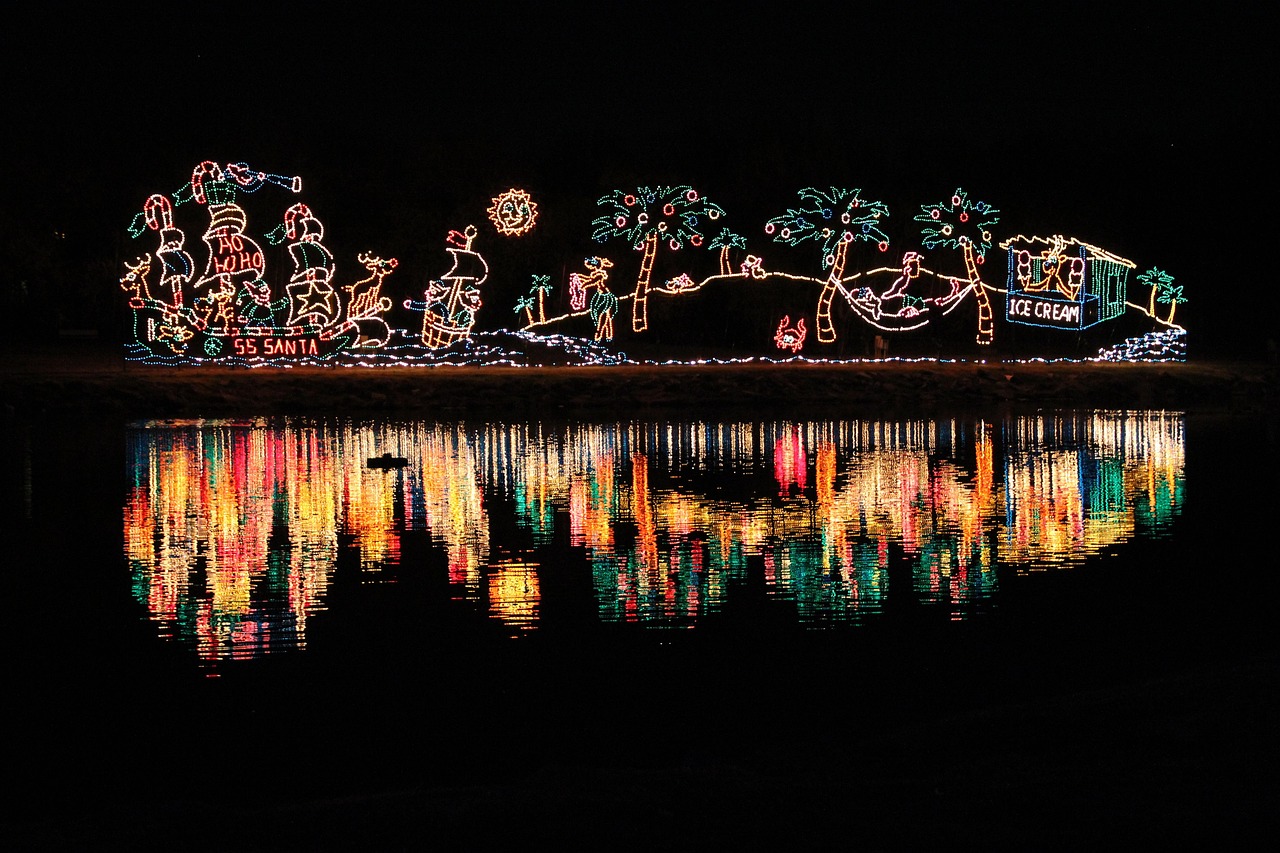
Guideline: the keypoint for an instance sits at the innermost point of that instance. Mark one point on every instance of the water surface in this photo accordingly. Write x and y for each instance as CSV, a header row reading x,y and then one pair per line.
x,y
239,533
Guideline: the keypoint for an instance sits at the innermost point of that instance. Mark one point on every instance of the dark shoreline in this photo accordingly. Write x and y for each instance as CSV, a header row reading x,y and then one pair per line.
x,y
98,380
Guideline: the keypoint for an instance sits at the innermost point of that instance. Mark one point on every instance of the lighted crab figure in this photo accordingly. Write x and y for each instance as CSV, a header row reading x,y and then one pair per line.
x,y
513,213
790,337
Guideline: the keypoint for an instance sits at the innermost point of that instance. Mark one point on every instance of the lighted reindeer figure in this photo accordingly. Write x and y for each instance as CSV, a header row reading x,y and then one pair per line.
x,y
134,282
171,329
366,304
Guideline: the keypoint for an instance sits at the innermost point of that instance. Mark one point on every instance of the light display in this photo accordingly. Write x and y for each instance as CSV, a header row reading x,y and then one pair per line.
x,y
753,267
646,217
513,213
790,337
242,301
1062,283
724,241
536,296
833,218
1162,291
312,298
231,311
965,225
451,301
604,304
914,296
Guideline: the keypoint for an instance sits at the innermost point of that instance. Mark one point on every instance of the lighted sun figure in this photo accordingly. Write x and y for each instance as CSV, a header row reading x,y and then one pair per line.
x,y
513,213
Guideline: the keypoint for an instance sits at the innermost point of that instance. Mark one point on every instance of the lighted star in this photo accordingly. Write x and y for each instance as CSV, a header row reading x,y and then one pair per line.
x,y
314,297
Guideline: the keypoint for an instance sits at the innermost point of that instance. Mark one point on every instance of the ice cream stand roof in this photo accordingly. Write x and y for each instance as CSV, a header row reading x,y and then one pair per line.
x,y
1062,242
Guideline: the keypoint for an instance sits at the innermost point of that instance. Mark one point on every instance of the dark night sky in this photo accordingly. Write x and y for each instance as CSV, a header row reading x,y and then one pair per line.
x,y
1140,133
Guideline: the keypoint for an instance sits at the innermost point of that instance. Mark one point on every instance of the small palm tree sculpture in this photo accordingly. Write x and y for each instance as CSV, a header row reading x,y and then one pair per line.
x,y
1158,280
525,304
1171,296
724,241
542,284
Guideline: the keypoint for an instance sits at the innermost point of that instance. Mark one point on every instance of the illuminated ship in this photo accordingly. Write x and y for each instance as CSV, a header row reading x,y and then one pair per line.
x,y
231,311
449,312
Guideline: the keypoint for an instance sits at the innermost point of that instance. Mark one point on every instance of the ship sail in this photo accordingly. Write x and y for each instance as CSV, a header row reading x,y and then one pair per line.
x,y
468,266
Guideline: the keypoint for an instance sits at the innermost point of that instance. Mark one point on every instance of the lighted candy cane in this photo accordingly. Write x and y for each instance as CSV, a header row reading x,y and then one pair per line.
x,y
176,263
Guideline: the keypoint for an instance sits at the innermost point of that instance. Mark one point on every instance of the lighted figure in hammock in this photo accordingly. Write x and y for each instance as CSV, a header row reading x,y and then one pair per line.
x,y
910,300
604,304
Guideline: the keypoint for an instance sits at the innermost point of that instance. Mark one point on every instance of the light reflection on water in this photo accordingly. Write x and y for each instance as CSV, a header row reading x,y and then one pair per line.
x,y
234,531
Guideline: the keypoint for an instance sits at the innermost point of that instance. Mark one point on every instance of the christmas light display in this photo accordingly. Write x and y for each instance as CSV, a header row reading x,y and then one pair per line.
x,y
965,225
753,267
604,305
536,296
1062,283
513,213
1162,291
913,297
671,215
231,311
790,337
451,302
834,218
242,304
724,241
